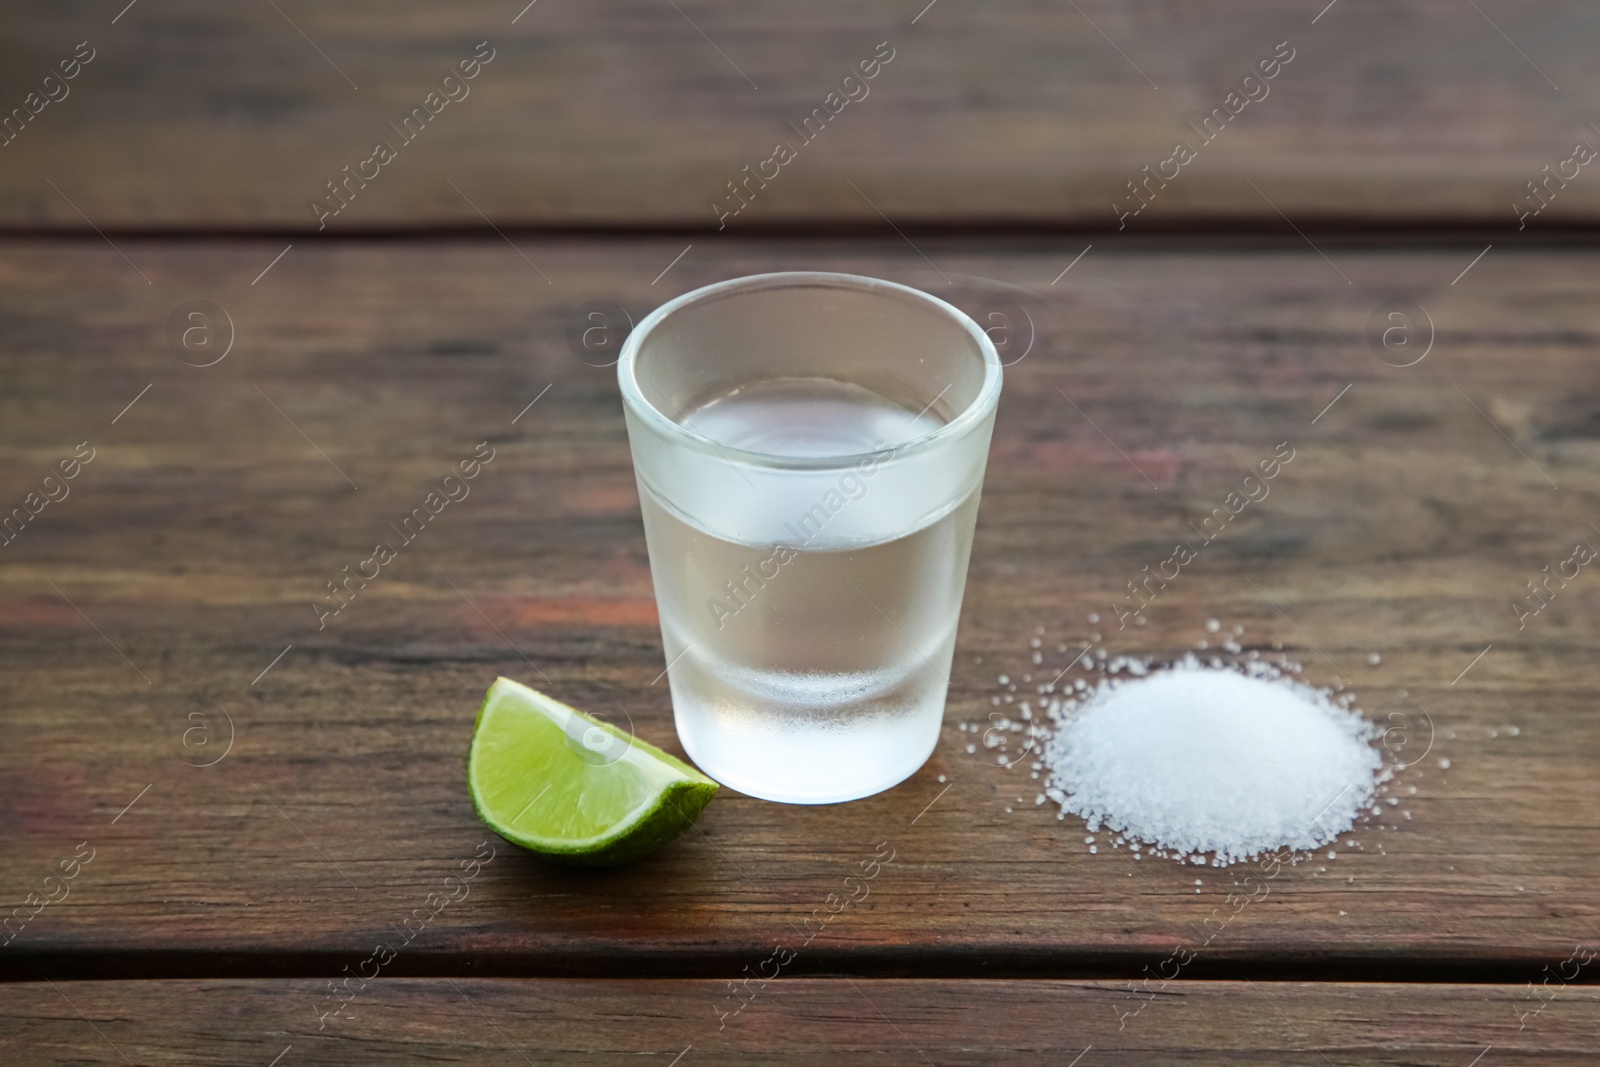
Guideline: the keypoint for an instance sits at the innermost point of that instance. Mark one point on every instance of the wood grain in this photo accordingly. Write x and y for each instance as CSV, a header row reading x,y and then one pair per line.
x,y
197,116
163,590
793,1022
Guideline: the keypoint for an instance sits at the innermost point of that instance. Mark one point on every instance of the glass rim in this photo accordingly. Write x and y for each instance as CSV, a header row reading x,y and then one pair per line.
x,y
982,404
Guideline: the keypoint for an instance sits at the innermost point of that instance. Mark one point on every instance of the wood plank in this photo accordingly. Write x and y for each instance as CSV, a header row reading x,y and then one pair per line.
x,y
217,507
798,1021
193,115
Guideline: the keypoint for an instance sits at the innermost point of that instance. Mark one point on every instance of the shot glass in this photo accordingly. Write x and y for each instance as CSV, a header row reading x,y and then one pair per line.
x,y
809,449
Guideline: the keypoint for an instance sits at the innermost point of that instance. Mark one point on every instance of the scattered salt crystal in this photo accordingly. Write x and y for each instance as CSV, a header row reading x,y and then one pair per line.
x,y
1444,763
1094,617
1093,849
1212,625
1373,659
971,749
1005,679
1199,760
941,778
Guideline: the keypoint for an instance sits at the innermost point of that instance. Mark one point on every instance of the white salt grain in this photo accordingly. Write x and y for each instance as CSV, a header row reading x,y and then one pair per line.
x,y
1207,760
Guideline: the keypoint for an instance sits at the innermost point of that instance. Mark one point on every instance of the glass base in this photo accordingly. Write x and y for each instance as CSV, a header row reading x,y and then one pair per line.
x,y
825,762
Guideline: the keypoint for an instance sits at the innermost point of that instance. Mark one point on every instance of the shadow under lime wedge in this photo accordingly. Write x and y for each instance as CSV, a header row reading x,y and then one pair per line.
x,y
574,789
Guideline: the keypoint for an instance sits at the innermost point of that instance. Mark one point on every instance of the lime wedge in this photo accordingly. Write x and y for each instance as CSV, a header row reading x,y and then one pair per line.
x,y
574,789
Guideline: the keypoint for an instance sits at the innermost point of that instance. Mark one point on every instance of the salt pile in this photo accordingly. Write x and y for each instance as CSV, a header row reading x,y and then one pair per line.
x,y
1196,759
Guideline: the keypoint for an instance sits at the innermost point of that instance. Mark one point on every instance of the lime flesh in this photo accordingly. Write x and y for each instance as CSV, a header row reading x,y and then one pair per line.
x,y
555,781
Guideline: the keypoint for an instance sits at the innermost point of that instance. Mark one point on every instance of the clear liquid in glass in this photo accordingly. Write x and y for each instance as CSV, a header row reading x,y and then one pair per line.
x,y
809,665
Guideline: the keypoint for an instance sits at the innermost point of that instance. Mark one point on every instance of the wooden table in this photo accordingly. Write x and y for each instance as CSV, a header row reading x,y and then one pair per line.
x,y
251,805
